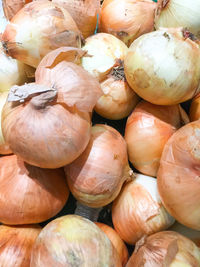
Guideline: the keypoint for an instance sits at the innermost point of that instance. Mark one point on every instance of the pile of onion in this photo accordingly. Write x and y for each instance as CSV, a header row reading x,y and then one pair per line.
x,y
178,175
163,67
29,194
127,19
138,210
147,130
194,111
11,7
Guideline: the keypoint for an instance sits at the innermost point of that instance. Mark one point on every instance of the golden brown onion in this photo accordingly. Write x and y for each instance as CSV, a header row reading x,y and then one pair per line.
x,y
96,177
147,130
29,194
194,110
72,240
16,243
178,175
11,7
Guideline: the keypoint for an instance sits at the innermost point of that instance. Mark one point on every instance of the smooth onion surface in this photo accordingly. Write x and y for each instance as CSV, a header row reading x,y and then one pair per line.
x,y
11,7
194,111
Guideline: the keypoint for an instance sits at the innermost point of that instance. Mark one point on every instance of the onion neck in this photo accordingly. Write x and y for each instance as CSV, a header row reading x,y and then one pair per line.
x,y
89,213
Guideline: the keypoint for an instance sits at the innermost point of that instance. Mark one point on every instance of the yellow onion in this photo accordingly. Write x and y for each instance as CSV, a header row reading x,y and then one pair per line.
x,y
147,130
38,28
16,243
127,19
163,67
116,241
29,194
165,249
105,51
84,12
194,111
179,13
72,240
178,175
138,210
11,7
95,178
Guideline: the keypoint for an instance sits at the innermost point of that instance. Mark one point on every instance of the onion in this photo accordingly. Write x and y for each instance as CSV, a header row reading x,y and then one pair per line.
x,y
163,66
116,241
3,20
165,249
179,13
38,28
11,7
84,12
95,178
73,241
147,130
194,110
29,194
127,19
105,52
138,211
16,244
178,175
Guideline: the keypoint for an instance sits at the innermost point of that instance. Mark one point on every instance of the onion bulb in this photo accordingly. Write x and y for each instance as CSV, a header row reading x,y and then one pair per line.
x,y
178,175
84,12
163,67
16,243
194,111
95,178
165,249
147,130
72,240
116,241
11,7
179,13
38,28
138,210
127,19
3,20
105,51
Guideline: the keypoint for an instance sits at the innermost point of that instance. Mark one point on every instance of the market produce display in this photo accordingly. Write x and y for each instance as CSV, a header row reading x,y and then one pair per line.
x,y
99,133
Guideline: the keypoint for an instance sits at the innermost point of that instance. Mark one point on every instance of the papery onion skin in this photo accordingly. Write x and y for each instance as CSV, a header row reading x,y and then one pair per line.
x,y
38,28
72,240
116,241
178,175
96,177
147,130
127,19
163,66
194,110
29,194
138,211
11,7
166,248
16,243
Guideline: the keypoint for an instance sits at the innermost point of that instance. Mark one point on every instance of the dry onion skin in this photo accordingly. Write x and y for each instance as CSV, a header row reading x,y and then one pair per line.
x,y
178,175
105,52
95,178
163,67
38,28
165,249
116,241
11,7
194,111
127,19
138,210
29,194
16,243
72,240
146,132
179,13
84,12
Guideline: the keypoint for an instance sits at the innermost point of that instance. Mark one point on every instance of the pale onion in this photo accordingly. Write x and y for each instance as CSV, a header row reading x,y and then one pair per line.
x,y
116,241
38,28
118,99
163,66
95,178
166,248
179,13
178,175
29,194
84,12
138,210
147,130
3,20
72,240
16,243
194,110
105,51
11,7
127,19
